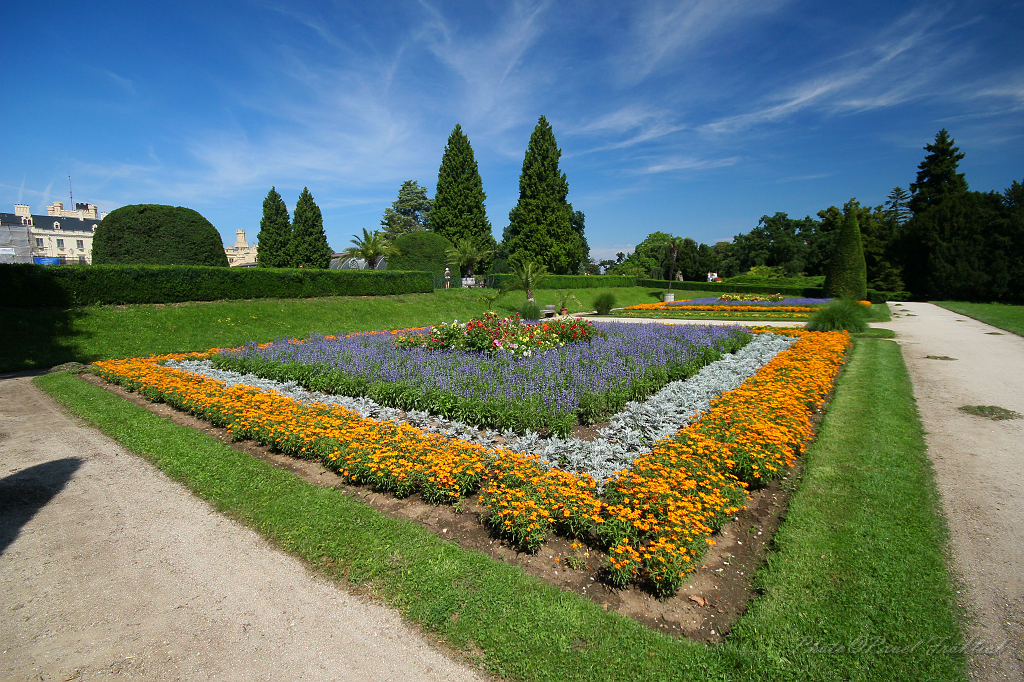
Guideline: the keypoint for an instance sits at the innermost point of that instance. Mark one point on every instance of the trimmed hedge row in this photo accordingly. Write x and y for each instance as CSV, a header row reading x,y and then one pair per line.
x,y
803,292
44,286
570,281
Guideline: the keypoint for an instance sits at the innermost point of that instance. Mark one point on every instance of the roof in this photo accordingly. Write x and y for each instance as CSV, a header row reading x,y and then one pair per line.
x,y
45,222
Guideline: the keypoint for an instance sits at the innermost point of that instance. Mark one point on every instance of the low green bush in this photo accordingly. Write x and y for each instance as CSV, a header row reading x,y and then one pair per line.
x,y
603,303
530,311
44,286
845,314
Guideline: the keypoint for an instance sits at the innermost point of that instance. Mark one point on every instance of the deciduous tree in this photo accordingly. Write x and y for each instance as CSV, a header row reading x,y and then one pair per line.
x,y
410,212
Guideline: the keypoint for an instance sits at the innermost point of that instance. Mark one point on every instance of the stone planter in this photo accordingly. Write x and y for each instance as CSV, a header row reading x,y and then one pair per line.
x,y
669,298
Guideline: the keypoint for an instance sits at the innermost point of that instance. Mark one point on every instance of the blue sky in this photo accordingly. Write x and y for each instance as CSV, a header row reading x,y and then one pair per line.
x,y
694,118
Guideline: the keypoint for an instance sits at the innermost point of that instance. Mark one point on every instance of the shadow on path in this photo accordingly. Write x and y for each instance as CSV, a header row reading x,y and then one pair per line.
x,y
24,493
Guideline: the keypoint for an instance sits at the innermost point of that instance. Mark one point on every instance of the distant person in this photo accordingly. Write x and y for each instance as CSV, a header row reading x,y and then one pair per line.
x,y
709,277
447,278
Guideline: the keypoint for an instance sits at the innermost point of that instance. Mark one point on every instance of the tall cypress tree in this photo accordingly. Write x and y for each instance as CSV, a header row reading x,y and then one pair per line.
x,y
459,211
275,233
310,249
846,274
540,225
936,175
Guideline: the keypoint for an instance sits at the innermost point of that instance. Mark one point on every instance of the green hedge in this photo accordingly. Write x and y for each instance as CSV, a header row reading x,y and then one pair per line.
x,y
570,281
39,286
804,292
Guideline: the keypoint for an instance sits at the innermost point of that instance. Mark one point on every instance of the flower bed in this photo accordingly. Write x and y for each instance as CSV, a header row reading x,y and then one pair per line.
x,y
654,520
584,380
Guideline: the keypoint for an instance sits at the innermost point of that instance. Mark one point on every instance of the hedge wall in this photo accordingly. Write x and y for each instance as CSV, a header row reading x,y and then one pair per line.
x,y
37,286
570,281
803,292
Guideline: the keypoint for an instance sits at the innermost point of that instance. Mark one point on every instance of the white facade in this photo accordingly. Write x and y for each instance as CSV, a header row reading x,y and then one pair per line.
x,y
67,236
241,253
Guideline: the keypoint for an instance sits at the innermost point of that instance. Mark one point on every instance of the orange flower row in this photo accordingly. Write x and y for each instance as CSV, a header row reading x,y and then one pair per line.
x,y
655,519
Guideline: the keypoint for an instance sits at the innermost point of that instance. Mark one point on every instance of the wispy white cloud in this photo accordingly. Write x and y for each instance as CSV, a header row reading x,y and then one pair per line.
x,y
676,163
904,61
662,29
126,83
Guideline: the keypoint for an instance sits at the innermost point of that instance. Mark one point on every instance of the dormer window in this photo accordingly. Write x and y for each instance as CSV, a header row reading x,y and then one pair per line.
x,y
56,225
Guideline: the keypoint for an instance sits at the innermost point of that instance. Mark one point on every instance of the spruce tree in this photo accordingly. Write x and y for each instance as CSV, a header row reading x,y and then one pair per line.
x,y
458,212
936,176
309,243
846,274
540,225
275,233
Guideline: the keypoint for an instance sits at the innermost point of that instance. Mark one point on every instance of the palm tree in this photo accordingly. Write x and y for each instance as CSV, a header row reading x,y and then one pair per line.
x,y
467,253
528,275
371,247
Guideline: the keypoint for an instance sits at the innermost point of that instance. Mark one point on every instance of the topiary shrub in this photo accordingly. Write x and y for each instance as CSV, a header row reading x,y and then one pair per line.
x,y
844,314
152,234
423,251
603,303
846,275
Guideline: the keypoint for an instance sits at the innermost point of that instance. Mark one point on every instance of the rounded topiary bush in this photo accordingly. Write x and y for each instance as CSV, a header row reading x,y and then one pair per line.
x,y
845,314
152,234
425,251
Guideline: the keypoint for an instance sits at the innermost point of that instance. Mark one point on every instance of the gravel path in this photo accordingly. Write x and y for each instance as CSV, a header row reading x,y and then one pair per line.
x,y
109,569
979,467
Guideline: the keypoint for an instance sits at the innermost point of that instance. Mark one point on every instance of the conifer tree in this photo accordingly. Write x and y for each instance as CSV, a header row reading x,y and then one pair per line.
x,y
846,274
275,233
897,207
936,176
458,213
540,226
309,243
410,212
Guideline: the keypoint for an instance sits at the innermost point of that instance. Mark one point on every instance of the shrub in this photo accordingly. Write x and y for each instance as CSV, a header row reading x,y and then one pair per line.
x,y
845,314
37,286
530,311
425,252
151,234
603,303
846,273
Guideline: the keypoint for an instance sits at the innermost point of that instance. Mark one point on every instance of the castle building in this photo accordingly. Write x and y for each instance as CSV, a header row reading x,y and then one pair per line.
x,y
61,234
241,255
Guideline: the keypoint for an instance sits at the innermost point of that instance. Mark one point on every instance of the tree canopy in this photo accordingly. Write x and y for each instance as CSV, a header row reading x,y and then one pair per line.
x,y
410,212
540,225
309,248
153,234
275,233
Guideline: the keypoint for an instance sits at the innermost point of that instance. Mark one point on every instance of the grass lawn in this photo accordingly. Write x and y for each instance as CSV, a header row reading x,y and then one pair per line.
x,y
856,586
1008,317
46,337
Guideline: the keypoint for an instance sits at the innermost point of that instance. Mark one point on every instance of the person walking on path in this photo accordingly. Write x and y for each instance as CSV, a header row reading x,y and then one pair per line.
x,y
447,278
955,361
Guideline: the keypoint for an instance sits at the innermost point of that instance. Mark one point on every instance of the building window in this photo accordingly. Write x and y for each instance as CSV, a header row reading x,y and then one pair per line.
x,y
81,260
79,244
56,225
39,242
60,243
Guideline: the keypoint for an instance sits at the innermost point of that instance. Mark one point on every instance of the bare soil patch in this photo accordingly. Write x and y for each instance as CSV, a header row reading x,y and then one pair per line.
x,y
713,597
